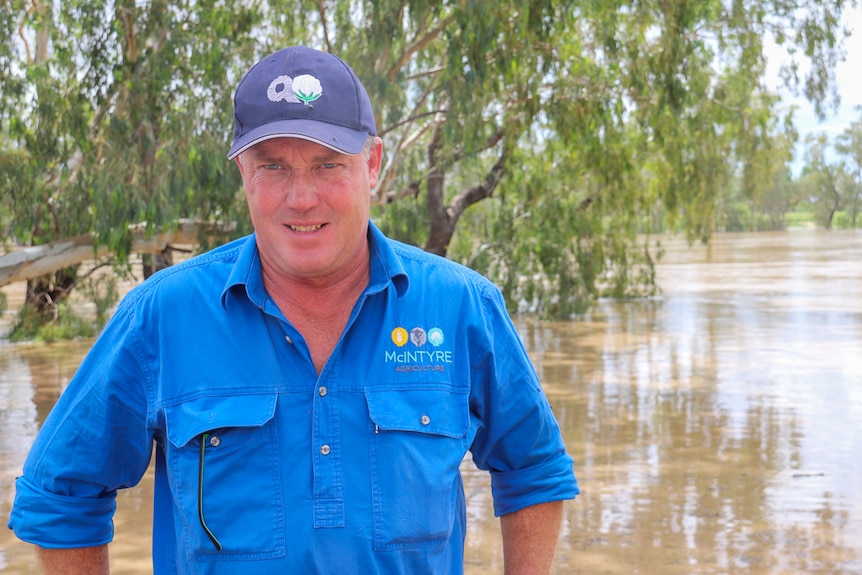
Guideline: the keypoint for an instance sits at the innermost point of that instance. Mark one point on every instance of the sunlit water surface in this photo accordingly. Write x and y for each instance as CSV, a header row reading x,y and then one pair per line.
x,y
716,428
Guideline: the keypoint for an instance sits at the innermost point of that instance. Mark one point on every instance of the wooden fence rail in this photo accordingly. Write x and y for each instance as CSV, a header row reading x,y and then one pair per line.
x,y
27,263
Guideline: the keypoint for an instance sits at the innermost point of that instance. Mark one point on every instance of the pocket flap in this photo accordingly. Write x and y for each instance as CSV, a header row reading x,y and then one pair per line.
x,y
192,418
439,411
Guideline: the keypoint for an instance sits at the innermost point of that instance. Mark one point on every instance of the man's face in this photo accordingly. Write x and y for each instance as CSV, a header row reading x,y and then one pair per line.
x,y
309,206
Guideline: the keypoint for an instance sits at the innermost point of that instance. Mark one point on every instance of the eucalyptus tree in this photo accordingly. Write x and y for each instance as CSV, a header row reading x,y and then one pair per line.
x,y
650,114
830,182
584,123
115,114
849,144
556,130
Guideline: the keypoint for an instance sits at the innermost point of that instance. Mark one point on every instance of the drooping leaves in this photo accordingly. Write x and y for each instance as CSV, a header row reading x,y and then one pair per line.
x,y
540,141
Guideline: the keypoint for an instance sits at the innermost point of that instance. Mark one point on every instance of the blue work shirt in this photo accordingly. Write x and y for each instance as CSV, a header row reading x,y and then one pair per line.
x,y
264,466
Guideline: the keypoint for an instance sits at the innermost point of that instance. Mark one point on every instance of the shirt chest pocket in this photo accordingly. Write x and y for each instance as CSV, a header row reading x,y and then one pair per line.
x,y
420,438
224,473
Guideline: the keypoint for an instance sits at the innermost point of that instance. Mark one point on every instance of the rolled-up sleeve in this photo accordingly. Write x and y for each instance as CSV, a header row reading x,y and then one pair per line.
x,y
553,480
519,440
94,442
61,521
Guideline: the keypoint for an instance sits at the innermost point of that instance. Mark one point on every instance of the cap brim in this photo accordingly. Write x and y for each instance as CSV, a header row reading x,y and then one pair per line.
x,y
337,138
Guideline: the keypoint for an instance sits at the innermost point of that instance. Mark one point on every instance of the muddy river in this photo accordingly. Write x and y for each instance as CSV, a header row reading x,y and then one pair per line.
x,y
716,429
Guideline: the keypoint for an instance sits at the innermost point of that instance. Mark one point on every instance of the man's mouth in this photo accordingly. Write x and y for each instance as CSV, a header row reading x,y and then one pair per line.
x,y
305,228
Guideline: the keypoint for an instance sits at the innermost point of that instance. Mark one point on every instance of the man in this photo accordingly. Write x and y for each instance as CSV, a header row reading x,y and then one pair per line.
x,y
311,389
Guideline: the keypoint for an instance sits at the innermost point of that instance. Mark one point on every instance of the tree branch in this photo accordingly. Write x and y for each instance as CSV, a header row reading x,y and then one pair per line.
x,y
418,44
478,192
321,9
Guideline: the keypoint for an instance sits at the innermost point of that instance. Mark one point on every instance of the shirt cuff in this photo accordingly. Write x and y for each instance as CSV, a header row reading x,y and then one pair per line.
x,y
552,481
60,521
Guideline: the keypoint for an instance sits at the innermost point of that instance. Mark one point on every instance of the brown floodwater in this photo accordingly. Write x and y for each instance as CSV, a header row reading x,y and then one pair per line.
x,y
716,429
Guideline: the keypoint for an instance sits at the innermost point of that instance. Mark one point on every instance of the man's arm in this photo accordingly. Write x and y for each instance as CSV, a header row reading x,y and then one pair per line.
x,y
530,538
79,561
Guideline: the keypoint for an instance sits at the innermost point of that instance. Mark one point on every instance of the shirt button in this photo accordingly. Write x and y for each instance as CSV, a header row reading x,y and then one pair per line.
x,y
215,441
288,340
322,391
425,420
324,450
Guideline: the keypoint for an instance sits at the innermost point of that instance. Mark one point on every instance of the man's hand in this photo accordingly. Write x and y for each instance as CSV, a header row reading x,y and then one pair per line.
x,y
80,561
530,538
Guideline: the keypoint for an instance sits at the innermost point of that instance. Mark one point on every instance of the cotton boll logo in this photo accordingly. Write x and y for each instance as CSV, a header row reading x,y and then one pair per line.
x,y
307,88
435,336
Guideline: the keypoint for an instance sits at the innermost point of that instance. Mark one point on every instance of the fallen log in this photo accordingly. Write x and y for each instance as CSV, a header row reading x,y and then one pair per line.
x,y
27,263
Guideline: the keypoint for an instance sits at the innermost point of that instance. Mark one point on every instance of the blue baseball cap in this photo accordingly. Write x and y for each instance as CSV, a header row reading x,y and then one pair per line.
x,y
300,92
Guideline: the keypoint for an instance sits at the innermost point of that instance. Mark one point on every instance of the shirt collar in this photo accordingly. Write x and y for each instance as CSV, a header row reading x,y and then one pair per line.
x,y
385,268
386,265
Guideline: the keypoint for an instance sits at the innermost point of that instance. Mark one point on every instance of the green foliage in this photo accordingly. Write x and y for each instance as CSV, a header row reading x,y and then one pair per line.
x,y
555,253
833,186
799,219
122,112
34,324
117,114
101,290
66,318
740,217
540,142
846,221
404,220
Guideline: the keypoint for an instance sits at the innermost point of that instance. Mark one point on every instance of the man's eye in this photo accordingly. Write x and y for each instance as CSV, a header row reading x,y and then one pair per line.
x,y
271,167
329,166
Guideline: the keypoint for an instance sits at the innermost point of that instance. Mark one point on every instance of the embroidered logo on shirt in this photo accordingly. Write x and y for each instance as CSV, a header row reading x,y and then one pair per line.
x,y
416,359
435,336
399,336
418,337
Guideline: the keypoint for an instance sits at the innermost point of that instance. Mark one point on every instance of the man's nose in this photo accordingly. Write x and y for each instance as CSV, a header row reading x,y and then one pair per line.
x,y
302,193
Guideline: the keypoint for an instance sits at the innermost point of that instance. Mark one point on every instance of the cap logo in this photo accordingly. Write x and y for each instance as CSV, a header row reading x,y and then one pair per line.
x,y
302,89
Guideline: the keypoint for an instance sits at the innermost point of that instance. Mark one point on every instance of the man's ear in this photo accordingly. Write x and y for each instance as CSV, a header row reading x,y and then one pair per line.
x,y
375,161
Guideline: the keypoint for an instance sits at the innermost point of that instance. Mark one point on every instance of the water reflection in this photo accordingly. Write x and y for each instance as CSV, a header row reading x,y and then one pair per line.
x,y
31,379
18,417
715,428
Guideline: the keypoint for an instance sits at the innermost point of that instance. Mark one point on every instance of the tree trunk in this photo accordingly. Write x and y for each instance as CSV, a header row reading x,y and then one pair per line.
x,y
157,261
443,218
442,224
45,293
